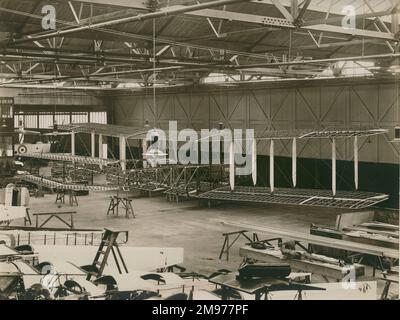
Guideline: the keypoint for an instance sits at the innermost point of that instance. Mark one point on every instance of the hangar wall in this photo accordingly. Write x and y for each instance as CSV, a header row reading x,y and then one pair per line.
x,y
356,105
326,105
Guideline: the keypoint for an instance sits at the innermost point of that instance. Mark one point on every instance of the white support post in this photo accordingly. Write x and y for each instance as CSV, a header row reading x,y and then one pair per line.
x,y
122,152
73,148
356,162
232,166
93,144
254,162
144,152
272,166
334,167
103,148
100,146
294,162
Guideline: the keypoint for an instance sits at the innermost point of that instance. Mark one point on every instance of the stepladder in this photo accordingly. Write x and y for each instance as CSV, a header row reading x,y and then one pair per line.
x,y
108,245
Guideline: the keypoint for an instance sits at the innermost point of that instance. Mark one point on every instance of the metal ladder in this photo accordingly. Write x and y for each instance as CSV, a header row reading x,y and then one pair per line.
x,y
108,245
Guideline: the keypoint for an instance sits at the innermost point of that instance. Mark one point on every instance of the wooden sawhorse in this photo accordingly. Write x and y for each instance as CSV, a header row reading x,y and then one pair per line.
x,y
60,199
116,202
57,215
27,218
228,245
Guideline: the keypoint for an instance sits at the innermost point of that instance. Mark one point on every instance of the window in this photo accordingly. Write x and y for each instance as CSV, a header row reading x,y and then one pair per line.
x,y
81,117
45,120
6,107
98,117
63,118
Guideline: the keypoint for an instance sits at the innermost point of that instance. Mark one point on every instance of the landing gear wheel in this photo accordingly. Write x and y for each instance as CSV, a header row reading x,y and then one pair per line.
x,y
69,287
37,292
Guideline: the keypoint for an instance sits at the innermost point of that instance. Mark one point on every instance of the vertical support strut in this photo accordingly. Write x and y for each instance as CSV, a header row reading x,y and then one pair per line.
x,y
122,152
254,162
100,146
272,166
232,166
73,150
144,152
103,152
93,145
356,162
334,167
294,162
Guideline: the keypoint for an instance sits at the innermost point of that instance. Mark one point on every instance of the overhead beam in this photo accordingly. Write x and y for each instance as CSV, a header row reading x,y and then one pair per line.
x,y
25,23
77,20
303,10
353,32
243,17
281,23
137,18
283,10
139,4
342,44
340,18
316,7
329,60
8,66
308,25
136,4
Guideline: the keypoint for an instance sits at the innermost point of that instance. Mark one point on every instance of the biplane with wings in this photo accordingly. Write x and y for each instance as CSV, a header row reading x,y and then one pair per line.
x,y
355,199
99,159
36,142
151,157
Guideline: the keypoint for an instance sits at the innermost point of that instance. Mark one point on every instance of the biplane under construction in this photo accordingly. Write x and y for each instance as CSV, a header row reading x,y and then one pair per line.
x,y
153,170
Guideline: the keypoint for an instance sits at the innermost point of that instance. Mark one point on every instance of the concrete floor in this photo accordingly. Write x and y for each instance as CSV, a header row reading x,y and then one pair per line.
x,y
197,229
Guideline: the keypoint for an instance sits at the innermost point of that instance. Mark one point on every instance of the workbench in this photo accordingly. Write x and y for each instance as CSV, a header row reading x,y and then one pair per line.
x,y
274,255
256,287
55,214
353,247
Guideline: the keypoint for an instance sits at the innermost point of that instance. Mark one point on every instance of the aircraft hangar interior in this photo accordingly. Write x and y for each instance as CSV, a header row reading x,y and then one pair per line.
x,y
199,149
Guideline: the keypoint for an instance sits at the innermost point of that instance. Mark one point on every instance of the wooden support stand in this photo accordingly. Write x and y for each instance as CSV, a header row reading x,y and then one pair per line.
x,y
60,199
27,218
57,215
73,201
117,202
228,245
